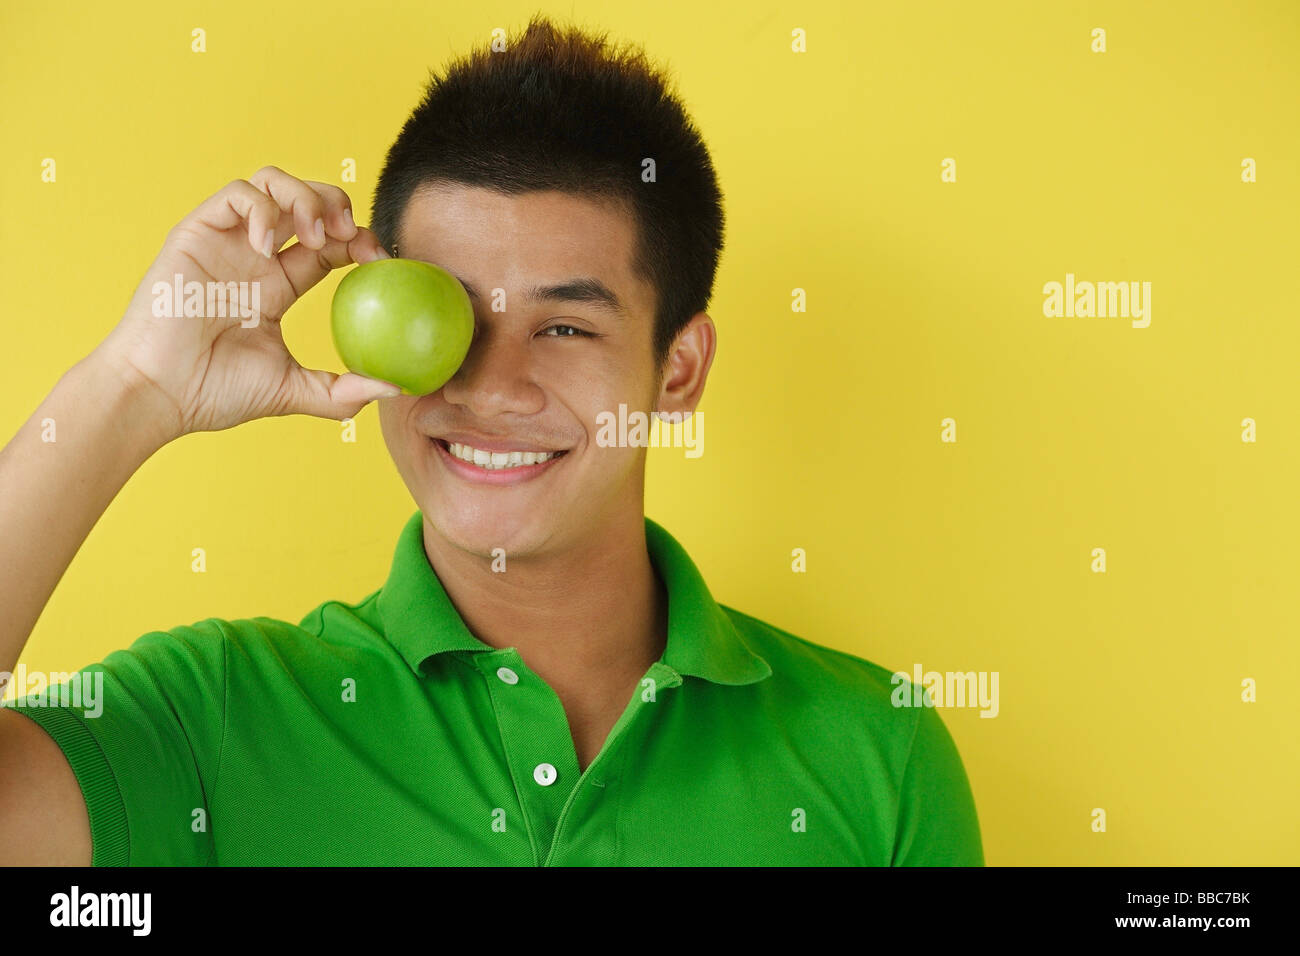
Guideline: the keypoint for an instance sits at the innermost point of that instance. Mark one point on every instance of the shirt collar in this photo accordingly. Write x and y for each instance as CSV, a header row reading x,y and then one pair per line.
x,y
420,621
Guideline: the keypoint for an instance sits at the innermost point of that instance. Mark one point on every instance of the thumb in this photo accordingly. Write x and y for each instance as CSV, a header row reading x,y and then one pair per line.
x,y
329,395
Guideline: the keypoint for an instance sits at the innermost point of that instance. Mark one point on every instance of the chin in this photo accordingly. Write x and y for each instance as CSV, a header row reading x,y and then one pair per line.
x,y
481,532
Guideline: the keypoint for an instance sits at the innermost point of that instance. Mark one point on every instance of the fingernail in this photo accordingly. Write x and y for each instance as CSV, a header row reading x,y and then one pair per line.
x,y
319,231
390,392
383,253
347,218
266,245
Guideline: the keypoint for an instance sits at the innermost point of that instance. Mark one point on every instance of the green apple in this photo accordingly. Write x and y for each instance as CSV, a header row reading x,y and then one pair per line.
x,y
402,321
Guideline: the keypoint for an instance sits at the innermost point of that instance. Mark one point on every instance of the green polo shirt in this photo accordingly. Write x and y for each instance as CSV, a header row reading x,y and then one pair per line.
x,y
383,732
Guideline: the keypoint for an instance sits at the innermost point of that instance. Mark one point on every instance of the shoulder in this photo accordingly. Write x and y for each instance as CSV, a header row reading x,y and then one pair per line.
x,y
821,693
164,655
870,713
837,677
331,628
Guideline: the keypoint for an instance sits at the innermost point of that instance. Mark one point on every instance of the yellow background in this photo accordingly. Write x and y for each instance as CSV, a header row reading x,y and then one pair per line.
x,y
1118,690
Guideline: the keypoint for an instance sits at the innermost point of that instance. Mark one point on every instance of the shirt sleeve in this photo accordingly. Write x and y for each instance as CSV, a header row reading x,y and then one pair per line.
x,y
142,731
937,822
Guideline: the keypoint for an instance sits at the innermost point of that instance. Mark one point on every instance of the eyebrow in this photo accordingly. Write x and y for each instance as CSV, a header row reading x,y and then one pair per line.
x,y
585,289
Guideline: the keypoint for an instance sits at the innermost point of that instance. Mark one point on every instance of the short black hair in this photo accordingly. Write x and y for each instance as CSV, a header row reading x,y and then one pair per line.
x,y
563,109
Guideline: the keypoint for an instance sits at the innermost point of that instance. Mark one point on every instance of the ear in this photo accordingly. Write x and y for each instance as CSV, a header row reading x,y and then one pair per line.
x,y
687,367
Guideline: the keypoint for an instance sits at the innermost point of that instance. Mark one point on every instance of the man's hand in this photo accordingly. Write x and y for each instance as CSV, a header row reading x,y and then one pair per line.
x,y
207,373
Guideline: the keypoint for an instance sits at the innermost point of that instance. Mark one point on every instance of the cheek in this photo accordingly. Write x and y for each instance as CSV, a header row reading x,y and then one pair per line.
x,y
399,435
600,393
385,421
616,466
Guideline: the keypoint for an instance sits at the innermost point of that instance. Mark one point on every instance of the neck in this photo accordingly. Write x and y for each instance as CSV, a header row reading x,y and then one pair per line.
x,y
591,617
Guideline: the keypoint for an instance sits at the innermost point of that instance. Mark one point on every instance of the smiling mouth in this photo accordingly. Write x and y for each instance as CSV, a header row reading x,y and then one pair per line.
x,y
497,460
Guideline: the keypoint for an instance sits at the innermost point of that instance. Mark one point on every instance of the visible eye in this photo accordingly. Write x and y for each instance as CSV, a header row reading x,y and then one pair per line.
x,y
567,331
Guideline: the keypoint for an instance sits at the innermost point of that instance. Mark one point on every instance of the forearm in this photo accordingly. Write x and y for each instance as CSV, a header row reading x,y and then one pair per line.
x,y
57,476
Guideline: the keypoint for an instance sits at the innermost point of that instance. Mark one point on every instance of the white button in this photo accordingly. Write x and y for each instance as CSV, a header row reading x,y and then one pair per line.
x,y
544,774
507,675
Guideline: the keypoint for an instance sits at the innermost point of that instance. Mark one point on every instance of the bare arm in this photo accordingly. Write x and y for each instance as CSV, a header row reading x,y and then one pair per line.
x,y
53,493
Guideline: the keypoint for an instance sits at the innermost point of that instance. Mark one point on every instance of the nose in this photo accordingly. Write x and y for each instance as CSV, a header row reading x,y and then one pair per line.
x,y
495,377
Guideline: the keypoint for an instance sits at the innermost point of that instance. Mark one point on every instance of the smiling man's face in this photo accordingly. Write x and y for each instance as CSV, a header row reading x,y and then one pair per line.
x,y
538,374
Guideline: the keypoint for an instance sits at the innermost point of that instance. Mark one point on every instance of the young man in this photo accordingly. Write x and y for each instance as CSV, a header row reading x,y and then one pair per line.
x,y
544,678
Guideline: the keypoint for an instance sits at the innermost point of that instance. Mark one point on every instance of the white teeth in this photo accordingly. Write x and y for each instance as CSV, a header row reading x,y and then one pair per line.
x,y
496,460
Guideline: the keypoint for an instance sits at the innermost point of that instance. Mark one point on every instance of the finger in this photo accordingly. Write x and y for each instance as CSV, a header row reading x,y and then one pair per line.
x,y
338,210
237,204
329,395
339,223
304,266
296,197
